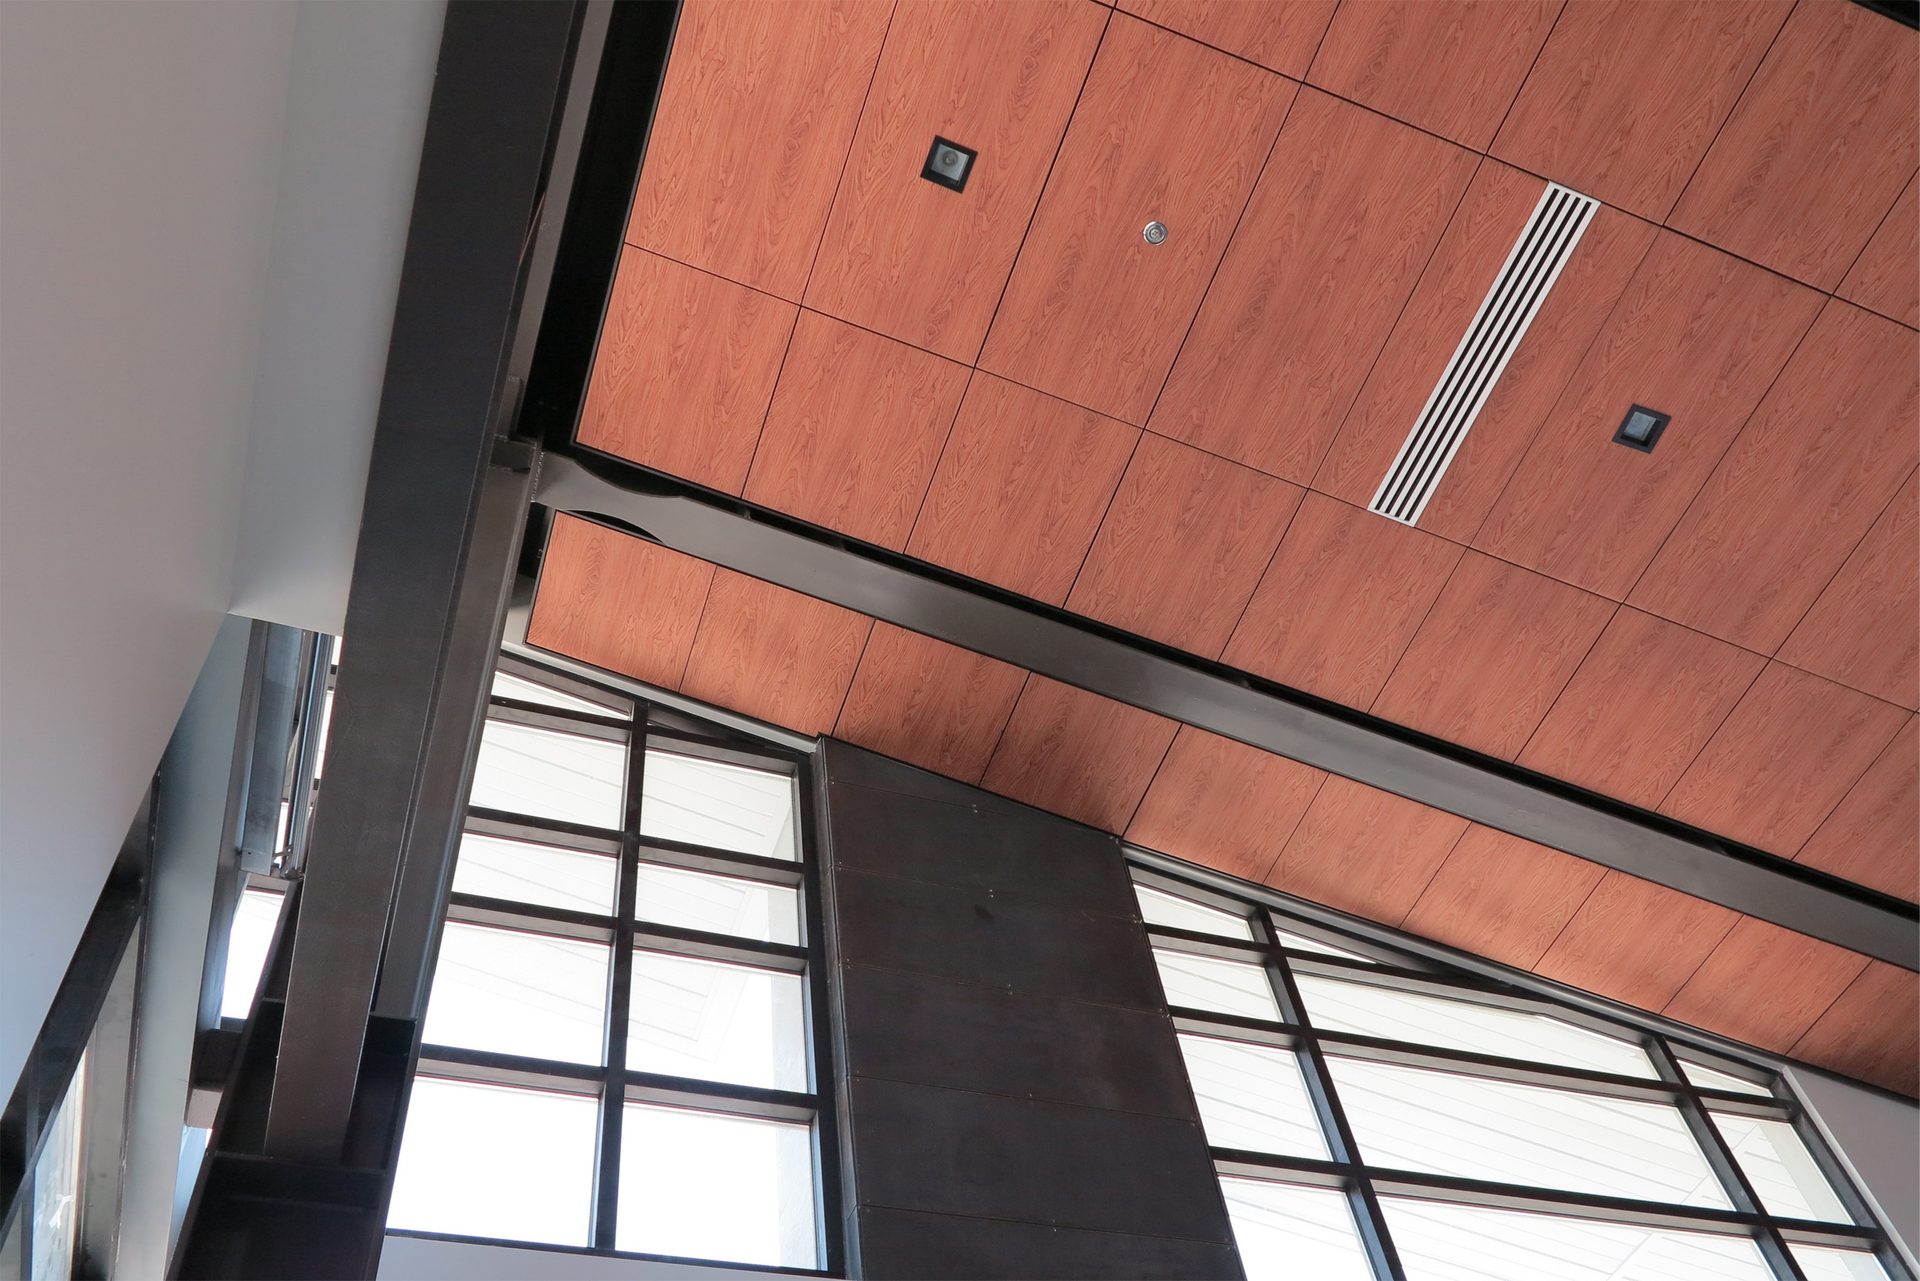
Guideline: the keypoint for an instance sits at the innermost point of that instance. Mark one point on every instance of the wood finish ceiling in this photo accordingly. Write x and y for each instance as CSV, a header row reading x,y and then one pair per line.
x,y
1181,439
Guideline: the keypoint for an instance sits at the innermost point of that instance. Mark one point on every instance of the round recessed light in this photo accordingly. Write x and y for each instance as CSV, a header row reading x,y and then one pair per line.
x,y
1154,233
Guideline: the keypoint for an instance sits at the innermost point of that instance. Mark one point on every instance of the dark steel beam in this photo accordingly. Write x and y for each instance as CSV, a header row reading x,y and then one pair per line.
x,y
1291,723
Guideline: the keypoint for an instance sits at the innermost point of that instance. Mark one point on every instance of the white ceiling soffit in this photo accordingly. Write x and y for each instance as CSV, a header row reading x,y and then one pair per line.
x,y
1534,263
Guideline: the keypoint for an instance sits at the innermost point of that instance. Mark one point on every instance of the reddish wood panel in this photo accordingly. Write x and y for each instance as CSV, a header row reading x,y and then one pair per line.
x,y
929,703
1452,67
1223,804
1020,488
1182,546
1801,486
1783,759
685,368
1627,96
1465,264
855,428
751,133
1342,599
1864,630
1819,146
774,654
1365,851
1168,131
1635,941
1502,897
1871,1031
1640,708
1491,657
1078,754
617,601
1765,985
1873,835
1698,335
911,258
1345,216
1280,34
1886,277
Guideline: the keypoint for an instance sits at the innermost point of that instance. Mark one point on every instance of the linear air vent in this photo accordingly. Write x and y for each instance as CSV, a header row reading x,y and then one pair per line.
x,y
1534,264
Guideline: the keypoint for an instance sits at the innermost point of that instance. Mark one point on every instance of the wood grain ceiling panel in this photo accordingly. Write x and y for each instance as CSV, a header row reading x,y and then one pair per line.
x,y
1182,546
1821,458
1640,708
1698,335
774,654
1492,656
1873,835
1366,851
1864,630
1167,130
1342,599
854,431
1886,278
617,601
1635,941
1469,257
911,258
1345,217
751,133
1278,34
1765,985
929,703
1626,96
1078,754
1783,759
1818,147
1452,67
1223,804
1502,897
1020,488
1871,1031
685,368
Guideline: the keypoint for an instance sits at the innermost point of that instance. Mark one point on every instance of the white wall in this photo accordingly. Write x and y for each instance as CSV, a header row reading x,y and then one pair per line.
x,y
410,1258
178,256
1878,1138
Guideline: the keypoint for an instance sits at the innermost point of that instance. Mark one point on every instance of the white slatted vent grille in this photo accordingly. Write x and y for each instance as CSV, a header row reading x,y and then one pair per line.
x,y
1534,263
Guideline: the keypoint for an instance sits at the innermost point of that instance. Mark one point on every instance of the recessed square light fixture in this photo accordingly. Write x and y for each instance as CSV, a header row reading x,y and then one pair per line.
x,y
949,163
1641,428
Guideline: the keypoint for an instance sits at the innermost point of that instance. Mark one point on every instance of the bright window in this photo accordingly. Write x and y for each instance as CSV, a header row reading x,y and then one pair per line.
x,y
711,1185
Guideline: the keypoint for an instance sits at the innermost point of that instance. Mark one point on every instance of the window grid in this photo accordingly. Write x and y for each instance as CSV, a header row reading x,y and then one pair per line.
x,y
613,1085
1364,1185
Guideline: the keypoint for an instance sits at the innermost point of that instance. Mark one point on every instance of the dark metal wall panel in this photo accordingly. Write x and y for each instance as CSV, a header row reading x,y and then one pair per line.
x,y
902,1027
1014,1099
989,1156
930,1246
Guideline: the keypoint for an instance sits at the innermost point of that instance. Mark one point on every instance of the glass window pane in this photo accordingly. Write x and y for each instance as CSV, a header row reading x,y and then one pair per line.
x,y
508,686
1207,983
518,993
729,807
248,940
530,873
717,1021
496,1161
1708,1079
1781,1169
1464,1025
721,904
1823,1263
1160,908
1301,943
1252,1097
706,1185
1441,1242
56,1184
548,774
1289,1233
1414,1119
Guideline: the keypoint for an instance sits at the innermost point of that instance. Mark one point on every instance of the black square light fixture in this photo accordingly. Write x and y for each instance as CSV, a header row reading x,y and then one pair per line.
x,y
1641,428
949,163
